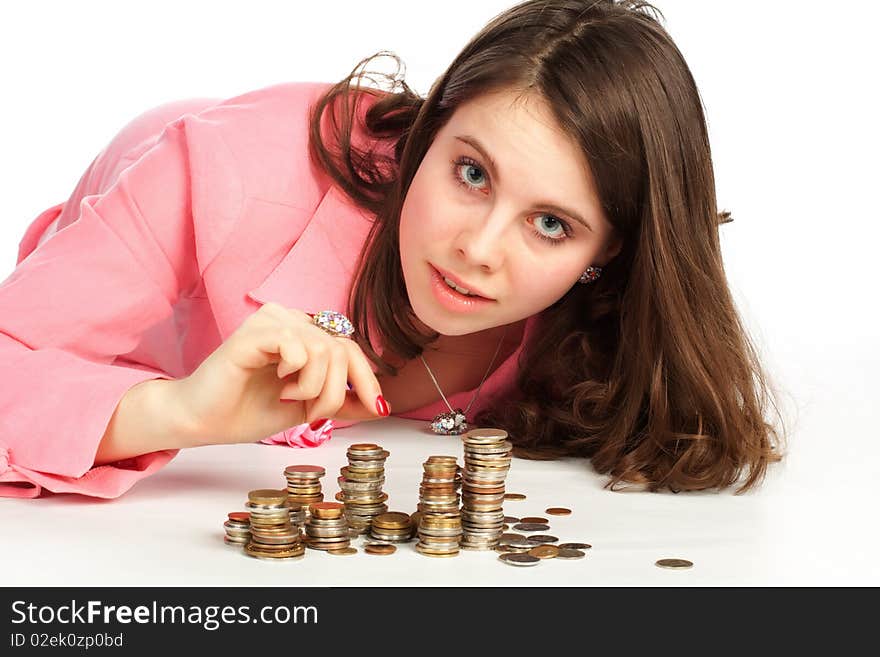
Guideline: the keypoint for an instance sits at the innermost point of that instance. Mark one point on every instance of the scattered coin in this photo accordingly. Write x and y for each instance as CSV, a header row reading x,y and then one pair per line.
x,y
558,511
544,551
511,519
574,546
568,553
542,538
514,559
343,551
372,548
514,496
509,538
675,564
531,527
534,520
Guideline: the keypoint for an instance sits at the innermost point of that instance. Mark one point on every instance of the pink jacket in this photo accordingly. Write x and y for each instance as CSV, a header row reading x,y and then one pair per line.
x,y
194,215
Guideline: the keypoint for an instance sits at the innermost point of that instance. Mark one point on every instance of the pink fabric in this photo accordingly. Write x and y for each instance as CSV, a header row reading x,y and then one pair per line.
x,y
194,215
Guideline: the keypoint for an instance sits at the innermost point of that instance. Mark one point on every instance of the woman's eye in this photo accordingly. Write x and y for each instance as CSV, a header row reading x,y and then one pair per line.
x,y
470,175
466,173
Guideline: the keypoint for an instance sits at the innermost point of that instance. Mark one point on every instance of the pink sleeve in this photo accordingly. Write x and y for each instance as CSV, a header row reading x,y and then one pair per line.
x,y
72,305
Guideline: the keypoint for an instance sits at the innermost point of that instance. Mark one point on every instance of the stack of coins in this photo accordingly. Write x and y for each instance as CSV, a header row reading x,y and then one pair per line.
x,y
303,488
238,529
487,456
272,534
297,513
394,527
361,485
326,528
439,526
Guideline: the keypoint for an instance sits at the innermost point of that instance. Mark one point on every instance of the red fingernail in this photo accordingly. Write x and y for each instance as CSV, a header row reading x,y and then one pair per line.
x,y
382,406
317,424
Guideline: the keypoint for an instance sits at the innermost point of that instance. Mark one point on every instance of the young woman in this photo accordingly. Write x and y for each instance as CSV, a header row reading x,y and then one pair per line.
x,y
533,246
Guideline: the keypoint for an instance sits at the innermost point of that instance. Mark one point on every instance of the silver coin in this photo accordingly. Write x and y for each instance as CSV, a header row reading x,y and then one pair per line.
x,y
531,527
569,553
542,538
519,559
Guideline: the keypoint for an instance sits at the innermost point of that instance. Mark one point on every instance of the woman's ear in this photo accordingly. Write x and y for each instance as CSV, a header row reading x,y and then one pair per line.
x,y
611,250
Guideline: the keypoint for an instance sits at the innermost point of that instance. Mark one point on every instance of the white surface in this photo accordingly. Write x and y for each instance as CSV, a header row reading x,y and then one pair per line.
x,y
788,100
810,524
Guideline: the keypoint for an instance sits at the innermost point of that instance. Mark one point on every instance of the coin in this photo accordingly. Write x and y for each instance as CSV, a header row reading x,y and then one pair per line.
x,y
518,559
675,564
542,538
534,520
343,551
531,527
574,546
514,496
511,519
267,496
326,510
568,553
240,516
372,548
392,520
558,511
308,471
544,551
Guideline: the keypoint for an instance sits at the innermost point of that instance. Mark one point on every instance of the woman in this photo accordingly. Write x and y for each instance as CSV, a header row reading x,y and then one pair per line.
x,y
534,246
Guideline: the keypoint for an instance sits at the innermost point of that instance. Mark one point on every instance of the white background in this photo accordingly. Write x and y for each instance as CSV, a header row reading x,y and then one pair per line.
x,y
790,94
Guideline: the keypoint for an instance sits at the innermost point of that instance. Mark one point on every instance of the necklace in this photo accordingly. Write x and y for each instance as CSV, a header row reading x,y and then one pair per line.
x,y
455,421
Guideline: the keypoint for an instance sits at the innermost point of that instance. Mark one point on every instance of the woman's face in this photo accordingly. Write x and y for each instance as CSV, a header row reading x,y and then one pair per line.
x,y
490,226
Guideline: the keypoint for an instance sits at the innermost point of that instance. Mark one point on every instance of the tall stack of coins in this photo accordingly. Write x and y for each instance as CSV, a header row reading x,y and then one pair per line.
x,y
272,534
439,527
394,527
303,488
326,528
238,529
487,456
361,485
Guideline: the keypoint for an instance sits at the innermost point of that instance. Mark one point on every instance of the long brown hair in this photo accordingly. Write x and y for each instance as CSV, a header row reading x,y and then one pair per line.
x,y
648,371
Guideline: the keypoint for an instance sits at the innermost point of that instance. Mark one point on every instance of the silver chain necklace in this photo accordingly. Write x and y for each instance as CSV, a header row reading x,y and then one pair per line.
x,y
455,421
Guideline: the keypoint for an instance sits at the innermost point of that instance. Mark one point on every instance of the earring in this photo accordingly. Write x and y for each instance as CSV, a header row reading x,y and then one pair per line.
x,y
590,275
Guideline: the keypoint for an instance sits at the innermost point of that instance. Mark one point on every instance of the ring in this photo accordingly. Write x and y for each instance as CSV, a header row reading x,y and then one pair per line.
x,y
334,323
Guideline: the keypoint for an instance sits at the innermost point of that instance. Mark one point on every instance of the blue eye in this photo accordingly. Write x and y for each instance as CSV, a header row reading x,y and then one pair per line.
x,y
468,165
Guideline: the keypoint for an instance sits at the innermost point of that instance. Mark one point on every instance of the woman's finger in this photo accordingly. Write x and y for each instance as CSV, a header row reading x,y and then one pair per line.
x,y
311,376
332,395
363,380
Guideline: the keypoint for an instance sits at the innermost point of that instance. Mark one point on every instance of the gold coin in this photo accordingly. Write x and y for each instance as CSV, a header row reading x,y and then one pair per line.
x,y
500,434
533,520
363,447
675,564
514,496
267,496
558,511
343,551
326,510
392,520
379,549
544,551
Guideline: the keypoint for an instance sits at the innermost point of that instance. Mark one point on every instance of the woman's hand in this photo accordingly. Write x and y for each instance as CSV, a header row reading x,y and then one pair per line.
x,y
277,370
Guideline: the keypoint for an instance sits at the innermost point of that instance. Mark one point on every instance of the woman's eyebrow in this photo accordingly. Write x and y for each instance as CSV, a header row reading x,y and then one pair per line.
x,y
472,141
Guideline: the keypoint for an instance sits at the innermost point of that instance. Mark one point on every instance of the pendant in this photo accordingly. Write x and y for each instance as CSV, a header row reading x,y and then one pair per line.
x,y
450,423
